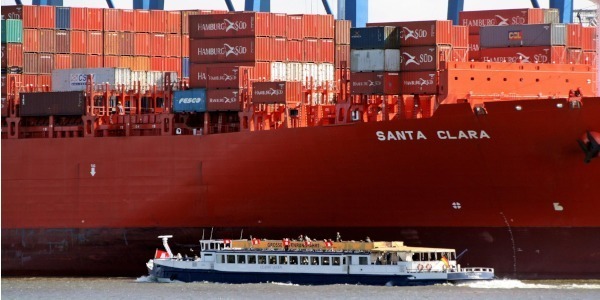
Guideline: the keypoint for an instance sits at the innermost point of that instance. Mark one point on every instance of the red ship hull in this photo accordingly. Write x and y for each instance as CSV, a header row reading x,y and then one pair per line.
x,y
509,186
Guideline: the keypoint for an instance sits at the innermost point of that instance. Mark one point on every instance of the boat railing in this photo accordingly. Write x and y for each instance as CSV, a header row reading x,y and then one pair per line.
x,y
477,269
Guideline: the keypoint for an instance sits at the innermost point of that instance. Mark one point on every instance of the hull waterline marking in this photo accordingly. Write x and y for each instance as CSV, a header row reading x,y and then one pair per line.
x,y
410,135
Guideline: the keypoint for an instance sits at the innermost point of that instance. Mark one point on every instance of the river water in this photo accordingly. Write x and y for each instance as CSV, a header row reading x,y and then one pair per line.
x,y
145,288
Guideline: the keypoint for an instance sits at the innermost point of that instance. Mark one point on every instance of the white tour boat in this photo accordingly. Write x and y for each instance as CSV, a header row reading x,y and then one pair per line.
x,y
312,262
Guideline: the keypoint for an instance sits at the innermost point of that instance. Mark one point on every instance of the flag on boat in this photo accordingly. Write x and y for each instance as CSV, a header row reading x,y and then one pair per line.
x,y
286,242
255,241
328,244
161,254
445,260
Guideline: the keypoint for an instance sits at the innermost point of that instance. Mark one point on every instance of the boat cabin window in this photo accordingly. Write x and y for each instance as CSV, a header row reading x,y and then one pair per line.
x,y
336,261
363,260
314,260
231,259
262,260
272,259
251,259
304,260
283,260
241,259
325,260
293,260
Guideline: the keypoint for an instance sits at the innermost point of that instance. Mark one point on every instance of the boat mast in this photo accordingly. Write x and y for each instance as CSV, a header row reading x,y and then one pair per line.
x,y
165,239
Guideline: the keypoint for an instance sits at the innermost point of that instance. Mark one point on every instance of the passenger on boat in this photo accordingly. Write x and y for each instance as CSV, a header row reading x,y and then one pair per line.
x,y
338,237
120,108
368,240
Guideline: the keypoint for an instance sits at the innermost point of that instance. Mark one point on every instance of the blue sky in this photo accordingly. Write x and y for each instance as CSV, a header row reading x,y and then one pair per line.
x,y
379,10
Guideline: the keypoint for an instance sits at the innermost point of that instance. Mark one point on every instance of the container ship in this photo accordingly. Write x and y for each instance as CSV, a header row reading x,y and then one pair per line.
x,y
116,129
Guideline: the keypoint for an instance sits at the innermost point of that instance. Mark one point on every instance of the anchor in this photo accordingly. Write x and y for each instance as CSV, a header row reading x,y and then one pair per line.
x,y
589,145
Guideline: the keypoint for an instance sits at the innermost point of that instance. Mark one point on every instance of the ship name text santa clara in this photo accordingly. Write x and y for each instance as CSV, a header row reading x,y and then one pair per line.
x,y
412,135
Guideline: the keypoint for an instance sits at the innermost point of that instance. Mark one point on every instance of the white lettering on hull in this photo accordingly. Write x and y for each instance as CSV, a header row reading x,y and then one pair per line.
x,y
410,135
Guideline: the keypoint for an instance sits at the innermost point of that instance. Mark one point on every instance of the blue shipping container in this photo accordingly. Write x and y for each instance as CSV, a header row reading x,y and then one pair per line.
x,y
384,37
189,100
185,68
63,17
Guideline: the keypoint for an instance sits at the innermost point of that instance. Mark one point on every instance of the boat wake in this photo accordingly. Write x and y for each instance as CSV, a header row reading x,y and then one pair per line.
x,y
517,284
148,278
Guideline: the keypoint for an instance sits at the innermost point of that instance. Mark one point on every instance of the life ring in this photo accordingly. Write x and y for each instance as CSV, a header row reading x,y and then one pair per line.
x,y
420,267
428,267
444,268
178,131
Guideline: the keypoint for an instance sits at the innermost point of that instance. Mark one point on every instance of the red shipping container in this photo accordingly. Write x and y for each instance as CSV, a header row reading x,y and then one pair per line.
x,y
318,26
78,61
29,80
126,43
78,18
31,40
111,61
157,63
111,43
78,39
94,42
375,83
142,20
95,19
30,63
44,81
47,41
541,54
294,27
198,72
127,20
326,51
224,100
589,58
310,50
62,61
460,36
173,64
277,92
94,61
158,21
158,44
228,77
112,19
231,50
12,55
294,51
185,24
422,33
279,49
476,19
27,13
574,36
342,54
327,26
423,82
45,63
588,38
142,44
278,23
185,45
460,54
63,41
474,54
198,75
142,63
424,58
173,45
574,56
342,32
174,21
246,24
46,16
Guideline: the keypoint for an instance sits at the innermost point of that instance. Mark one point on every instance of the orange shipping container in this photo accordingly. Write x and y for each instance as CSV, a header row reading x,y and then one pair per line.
x,y
342,54
294,27
94,42
78,18
460,36
588,38
31,40
78,39
173,64
127,62
279,49
158,21
94,61
142,63
294,51
62,61
45,82
27,13
310,50
157,44
157,63
63,41
126,43
174,21
278,23
12,55
111,43
112,19
45,63
342,32
111,61
142,20
30,81
142,44
326,51
173,45
46,16
47,43
95,19
127,20
185,48
574,36
78,61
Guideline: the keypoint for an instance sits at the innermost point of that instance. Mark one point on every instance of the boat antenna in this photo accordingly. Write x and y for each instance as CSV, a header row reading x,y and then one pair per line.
x,y
211,231
242,233
203,234
461,254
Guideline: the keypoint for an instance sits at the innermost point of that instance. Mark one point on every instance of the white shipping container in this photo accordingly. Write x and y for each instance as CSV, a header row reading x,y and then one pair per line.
x,y
294,72
375,60
75,79
278,71
325,75
309,72
141,77
158,78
